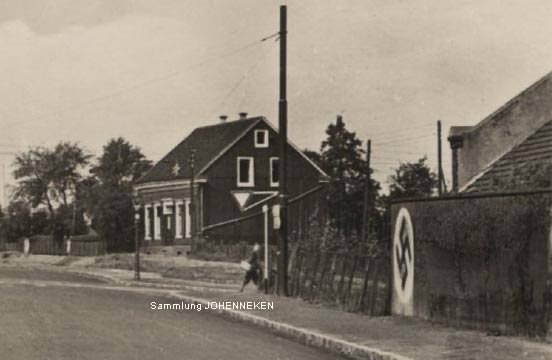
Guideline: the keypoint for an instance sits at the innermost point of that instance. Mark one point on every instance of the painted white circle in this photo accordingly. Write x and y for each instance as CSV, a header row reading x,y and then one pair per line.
x,y
403,257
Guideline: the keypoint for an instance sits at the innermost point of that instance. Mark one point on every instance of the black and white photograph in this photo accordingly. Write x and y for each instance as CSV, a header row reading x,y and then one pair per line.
x,y
247,179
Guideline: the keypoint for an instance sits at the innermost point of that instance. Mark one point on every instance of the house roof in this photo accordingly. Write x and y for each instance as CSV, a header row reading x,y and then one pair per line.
x,y
207,141
526,95
535,149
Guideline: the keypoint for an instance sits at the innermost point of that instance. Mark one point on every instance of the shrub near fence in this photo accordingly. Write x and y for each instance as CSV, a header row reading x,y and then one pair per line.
x,y
483,261
218,250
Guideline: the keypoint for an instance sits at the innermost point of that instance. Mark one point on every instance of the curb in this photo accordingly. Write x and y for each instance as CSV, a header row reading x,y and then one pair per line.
x,y
301,335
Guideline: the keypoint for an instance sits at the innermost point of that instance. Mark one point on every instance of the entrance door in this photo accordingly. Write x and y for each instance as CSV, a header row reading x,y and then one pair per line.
x,y
168,229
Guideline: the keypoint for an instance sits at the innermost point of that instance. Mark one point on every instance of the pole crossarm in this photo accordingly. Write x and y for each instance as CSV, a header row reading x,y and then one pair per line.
x,y
305,194
230,222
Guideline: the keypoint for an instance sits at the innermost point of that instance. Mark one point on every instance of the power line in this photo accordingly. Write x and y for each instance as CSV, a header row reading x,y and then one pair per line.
x,y
389,133
403,140
140,84
394,133
241,79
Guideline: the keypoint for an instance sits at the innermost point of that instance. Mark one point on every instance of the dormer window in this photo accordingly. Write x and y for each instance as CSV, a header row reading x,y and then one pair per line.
x,y
261,138
245,171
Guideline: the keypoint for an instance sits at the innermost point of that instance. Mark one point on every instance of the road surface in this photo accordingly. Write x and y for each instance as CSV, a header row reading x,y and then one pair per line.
x,y
57,316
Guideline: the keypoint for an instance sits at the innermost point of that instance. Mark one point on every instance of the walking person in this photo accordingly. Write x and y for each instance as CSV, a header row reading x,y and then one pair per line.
x,y
253,272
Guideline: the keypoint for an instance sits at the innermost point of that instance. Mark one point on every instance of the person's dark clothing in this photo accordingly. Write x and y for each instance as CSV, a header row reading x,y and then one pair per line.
x,y
253,272
251,275
254,261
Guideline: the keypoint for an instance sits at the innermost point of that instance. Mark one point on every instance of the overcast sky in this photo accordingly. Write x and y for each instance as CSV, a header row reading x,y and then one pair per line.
x,y
151,71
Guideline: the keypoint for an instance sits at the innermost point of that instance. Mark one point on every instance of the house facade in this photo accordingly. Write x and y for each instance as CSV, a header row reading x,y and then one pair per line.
x,y
517,135
220,173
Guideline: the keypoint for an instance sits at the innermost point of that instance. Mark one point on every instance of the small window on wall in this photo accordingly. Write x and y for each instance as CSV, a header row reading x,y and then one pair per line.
x,y
245,171
261,138
274,172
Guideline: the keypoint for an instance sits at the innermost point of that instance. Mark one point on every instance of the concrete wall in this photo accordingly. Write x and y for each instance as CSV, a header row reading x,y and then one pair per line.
x,y
479,262
508,126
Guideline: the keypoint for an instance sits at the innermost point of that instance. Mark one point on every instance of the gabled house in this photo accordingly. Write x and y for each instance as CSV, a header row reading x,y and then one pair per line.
x,y
518,135
235,172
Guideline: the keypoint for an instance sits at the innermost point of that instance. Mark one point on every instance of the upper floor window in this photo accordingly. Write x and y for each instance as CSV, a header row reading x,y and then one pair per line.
x,y
274,172
245,171
261,138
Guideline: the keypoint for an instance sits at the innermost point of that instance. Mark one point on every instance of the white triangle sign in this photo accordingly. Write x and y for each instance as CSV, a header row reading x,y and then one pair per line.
x,y
241,198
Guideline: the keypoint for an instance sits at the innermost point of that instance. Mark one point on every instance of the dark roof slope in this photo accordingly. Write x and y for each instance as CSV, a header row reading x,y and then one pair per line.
x,y
537,148
208,142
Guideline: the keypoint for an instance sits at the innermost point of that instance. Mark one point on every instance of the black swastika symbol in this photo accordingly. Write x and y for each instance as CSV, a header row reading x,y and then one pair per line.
x,y
403,253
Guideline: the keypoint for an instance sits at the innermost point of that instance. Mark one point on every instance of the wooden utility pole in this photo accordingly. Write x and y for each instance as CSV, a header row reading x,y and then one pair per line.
x,y
282,162
192,202
365,233
4,187
439,159
137,208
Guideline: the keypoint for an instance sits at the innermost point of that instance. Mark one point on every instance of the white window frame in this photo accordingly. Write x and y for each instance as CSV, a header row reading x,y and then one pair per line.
x,y
188,218
251,172
261,145
147,224
157,221
179,204
273,183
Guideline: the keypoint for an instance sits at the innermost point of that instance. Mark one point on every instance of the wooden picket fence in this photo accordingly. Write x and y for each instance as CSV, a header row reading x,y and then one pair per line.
x,y
87,248
351,281
45,245
80,246
11,246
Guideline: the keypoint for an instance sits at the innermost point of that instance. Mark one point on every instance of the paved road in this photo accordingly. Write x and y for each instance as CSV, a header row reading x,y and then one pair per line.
x,y
47,320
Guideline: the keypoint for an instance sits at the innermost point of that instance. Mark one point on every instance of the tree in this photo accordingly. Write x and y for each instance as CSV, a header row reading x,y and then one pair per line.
x,y
107,193
49,177
342,159
413,180
18,222
121,164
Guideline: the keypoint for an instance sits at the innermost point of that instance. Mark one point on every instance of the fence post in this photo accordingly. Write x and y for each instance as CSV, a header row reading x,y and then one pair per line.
x,y
308,269
342,280
375,286
323,270
297,279
368,267
314,270
352,276
333,272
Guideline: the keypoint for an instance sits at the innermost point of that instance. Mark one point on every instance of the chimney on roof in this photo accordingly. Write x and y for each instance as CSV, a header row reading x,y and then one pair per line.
x,y
223,118
243,115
